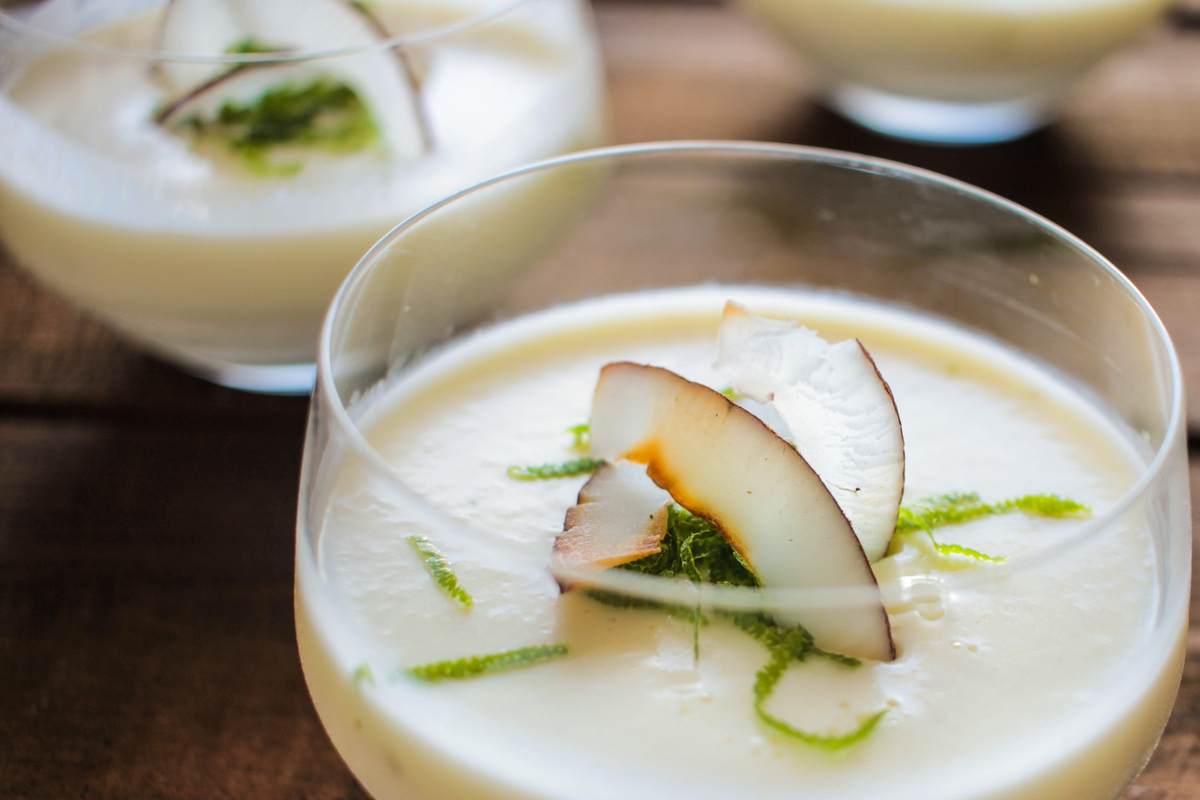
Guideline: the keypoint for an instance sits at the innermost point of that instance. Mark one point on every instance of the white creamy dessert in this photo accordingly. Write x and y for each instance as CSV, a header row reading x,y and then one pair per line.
x,y
970,52
187,251
1047,683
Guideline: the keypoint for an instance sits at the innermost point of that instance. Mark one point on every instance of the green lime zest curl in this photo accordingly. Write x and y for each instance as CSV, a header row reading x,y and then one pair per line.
x,y
962,507
695,548
581,436
439,569
787,645
250,45
474,666
765,682
567,469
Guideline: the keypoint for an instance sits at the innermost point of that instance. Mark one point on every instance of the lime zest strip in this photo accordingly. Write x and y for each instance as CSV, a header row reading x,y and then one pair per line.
x,y
567,469
695,548
439,569
474,666
581,436
962,507
765,682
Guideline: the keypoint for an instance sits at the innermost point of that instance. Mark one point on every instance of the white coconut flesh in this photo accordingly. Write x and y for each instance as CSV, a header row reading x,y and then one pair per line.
x,y
212,27
838,411
621,516
722,463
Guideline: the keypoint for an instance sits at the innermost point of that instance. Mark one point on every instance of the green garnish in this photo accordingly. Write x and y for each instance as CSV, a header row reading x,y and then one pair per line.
x,y
618,600
962,507
694,547
786,645
567,469
474,666
322,114
764,684
957,508
582,436
363,674
439,569
730,394
250,45
945,549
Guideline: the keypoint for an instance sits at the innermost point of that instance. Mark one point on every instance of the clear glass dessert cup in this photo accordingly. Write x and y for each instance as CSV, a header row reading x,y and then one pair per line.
x,y
1034,656
954,71
197,175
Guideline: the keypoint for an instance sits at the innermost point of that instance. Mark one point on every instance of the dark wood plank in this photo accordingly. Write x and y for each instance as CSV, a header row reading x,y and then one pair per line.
x,y
146,615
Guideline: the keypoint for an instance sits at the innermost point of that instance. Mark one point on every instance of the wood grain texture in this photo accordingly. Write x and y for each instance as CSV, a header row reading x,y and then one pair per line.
x,y
146,640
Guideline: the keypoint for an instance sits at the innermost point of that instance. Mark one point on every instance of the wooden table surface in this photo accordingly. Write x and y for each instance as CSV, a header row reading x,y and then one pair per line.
x,y
147,518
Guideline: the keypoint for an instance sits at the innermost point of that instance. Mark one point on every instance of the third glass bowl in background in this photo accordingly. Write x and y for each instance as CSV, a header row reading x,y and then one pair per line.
x,y
220,257
954,71
1020,361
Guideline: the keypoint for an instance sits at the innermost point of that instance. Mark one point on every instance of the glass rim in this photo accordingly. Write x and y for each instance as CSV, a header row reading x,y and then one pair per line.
x,y
670,591
14,24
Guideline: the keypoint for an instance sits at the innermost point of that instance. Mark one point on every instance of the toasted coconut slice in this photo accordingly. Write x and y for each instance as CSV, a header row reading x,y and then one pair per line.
x,y
721,462
213,27
621,517
837,408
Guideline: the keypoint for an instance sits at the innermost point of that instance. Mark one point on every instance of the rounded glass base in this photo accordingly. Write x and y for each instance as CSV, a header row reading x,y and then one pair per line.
x,y
925,120
262,378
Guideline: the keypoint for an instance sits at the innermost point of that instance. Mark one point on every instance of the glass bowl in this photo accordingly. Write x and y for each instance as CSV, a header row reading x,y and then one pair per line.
x,y
204,188
954,71
451,647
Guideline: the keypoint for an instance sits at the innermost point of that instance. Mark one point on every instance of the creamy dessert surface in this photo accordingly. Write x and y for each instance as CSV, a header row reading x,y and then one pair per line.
x,y
515,85
999,690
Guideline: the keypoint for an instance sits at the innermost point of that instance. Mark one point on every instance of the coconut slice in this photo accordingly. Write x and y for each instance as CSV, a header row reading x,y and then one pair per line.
x,y
377,74
838,410
722,463
196,28
621,517
239,86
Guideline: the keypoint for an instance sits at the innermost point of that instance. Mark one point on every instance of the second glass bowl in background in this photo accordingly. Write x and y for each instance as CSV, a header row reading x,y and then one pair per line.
x,y
203,244
954,71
